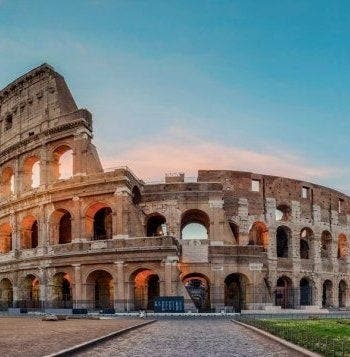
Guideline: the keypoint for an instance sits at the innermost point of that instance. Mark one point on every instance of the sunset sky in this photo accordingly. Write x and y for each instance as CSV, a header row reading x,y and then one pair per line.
x,y
261,86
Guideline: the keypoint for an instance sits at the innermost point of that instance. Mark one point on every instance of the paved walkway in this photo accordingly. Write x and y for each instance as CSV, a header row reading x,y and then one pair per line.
x,y
31,337
190,338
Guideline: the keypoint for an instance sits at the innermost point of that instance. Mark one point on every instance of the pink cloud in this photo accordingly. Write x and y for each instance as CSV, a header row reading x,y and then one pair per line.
x,y
177,151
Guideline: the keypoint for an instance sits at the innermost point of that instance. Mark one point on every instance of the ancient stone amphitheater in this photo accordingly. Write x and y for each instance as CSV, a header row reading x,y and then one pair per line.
x,y
76,236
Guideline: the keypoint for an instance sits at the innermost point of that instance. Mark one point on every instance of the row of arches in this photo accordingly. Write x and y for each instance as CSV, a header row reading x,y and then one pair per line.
x,y
194,224
307,242
286,294
98,226
61,167
145,287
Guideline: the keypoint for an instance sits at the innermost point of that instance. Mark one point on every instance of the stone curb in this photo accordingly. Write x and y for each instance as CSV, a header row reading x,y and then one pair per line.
x,y
95,341
281,341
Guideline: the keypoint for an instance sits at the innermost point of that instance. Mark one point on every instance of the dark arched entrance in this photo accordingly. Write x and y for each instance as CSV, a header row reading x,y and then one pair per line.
x,y
235,292
100,289
197,286
305,292
284,293
342,293
327,294
146,289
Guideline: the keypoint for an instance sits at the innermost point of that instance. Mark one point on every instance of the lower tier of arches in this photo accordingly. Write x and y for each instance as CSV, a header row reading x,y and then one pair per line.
x,y
128,288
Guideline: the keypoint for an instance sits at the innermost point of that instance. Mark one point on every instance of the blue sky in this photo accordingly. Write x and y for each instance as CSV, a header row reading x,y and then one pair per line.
x,y
184,85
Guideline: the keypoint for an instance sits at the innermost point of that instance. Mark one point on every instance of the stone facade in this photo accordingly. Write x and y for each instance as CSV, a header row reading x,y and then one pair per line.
x,y
108,240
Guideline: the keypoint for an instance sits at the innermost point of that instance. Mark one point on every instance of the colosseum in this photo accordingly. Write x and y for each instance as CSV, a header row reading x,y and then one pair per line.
x,y
76,236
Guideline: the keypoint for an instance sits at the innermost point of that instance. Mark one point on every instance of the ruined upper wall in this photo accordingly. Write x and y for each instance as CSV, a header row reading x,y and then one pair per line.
x,y
238,184
32,103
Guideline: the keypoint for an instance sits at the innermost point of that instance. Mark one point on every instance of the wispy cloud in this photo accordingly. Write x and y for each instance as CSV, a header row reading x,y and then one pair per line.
x,y
178,151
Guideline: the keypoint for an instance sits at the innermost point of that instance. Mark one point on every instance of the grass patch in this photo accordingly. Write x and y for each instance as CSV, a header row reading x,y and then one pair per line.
x,y
330,337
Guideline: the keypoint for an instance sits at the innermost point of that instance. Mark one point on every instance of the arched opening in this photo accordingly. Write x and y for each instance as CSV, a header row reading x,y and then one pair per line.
x,y
195,225
99,222
326,245
100,288
236,286
7,182
6,294
5,238
306,292
235,231
283,238
259,234
136,195
198,288
61,291
29,233
31,292
284,293
62,163
342,293
61,227
283,213
342,246
156,226
31,173
327,294
306,238
146,288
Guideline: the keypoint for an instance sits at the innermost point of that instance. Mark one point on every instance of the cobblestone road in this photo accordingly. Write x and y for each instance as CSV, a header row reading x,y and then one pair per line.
x,y
190,338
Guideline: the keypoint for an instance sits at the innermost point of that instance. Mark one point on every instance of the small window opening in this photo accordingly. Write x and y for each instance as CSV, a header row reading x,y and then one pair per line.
x,y
305,192
255,185
340,205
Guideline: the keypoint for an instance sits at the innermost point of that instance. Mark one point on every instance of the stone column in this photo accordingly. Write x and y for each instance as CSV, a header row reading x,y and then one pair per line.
x,y
16,233
77,294
43,279
119,295
217,287
18,176
77,233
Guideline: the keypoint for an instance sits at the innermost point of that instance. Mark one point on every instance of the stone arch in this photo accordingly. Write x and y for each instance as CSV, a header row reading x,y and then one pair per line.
x,y
342,293
31,173
61,290
195,224
327,293
29,232
342,246
326,245
30,289
259,234
306,287
156,225
146,287
100,289
98,221
283,241
6,293
62,164
5,238
197,286
305,242
7,181
61,226
284,292
236,291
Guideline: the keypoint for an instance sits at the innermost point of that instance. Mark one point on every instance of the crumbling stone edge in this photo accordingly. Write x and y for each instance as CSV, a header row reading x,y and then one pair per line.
x,y
69,351
303,351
